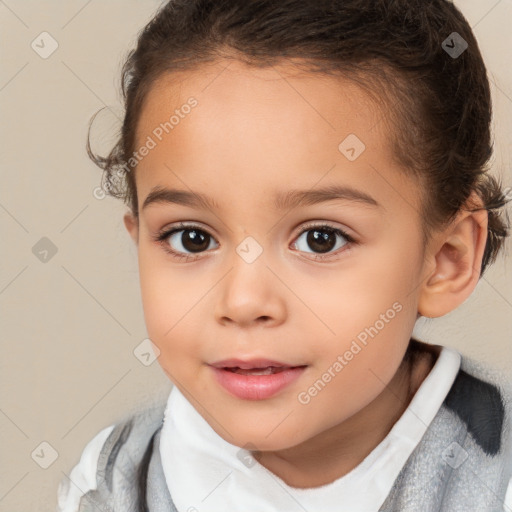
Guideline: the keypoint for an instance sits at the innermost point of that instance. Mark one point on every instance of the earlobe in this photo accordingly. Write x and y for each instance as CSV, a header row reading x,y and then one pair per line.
x,y
132,226
457,265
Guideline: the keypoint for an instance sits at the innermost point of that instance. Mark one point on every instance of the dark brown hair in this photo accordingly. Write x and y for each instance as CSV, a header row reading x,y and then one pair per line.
x,y
438,111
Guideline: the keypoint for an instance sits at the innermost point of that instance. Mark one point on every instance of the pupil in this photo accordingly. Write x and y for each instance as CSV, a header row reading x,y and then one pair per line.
x,y
321,240
194,240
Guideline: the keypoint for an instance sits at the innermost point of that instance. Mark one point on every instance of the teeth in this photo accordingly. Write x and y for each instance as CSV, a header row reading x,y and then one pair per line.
x,y
257,371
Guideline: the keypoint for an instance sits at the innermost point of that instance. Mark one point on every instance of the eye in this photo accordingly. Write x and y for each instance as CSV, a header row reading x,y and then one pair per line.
x,y
184,239
322,238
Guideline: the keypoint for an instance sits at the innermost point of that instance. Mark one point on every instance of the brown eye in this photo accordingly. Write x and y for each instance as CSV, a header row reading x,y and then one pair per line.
x,y
184,240
322,239
190,240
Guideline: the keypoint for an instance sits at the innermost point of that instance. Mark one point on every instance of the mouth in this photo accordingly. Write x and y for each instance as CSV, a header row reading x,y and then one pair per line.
x,y
257,379
256,364
269,370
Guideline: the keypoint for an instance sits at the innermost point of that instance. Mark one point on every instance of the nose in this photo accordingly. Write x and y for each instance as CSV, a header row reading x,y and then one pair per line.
x,y
250,294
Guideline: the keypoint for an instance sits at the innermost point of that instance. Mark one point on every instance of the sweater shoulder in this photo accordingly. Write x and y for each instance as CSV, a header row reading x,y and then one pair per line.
x,y
120,445
481,398
132,433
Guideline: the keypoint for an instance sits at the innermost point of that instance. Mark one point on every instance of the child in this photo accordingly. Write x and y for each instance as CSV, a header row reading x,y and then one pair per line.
x,y
305,179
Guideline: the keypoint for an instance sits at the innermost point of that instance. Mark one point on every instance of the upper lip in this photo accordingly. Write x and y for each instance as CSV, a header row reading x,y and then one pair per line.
x,y
250,364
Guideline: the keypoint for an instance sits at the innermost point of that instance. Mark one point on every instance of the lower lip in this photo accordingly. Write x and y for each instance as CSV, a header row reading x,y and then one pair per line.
x,y
256,387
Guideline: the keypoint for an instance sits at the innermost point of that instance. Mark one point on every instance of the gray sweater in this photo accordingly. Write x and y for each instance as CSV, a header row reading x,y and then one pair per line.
x,y
462,463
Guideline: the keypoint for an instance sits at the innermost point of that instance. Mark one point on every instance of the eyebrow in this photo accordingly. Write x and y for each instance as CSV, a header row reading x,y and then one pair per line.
x,y
282,201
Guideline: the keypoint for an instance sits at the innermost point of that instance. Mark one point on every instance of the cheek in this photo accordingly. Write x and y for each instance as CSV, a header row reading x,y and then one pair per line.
x,y
368,315
353,369
169,299
373,287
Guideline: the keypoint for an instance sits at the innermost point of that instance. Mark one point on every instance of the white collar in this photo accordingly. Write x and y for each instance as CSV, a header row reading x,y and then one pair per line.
x,y
204,471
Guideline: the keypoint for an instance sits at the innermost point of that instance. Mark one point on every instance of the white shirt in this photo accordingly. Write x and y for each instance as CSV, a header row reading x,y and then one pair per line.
x,y
204,471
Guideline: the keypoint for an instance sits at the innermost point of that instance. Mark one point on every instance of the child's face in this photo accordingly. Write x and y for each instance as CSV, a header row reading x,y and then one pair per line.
x,y
252,136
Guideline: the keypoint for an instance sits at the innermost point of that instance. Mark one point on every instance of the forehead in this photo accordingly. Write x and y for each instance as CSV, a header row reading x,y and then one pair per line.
x,y
266,127
228,88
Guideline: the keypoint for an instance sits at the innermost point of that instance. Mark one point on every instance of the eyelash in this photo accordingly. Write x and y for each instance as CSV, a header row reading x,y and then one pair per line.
x,y
164,234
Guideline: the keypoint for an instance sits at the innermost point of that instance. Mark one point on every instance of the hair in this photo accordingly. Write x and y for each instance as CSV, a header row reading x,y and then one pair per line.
x,y
438,107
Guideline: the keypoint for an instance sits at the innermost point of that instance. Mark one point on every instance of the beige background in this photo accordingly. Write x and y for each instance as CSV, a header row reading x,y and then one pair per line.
x,y
70,325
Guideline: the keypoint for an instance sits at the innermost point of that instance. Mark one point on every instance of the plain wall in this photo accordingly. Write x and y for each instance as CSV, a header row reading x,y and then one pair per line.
x,y
70,324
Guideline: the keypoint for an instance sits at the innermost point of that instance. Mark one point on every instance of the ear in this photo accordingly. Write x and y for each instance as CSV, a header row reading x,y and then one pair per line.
x,y
132,226
456,258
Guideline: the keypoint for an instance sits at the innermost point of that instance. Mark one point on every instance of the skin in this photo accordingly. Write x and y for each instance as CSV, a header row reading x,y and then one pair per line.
x,y
256,132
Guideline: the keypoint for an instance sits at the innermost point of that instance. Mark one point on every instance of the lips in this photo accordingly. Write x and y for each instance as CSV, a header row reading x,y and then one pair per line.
x,y
247,384
257,378
253,364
